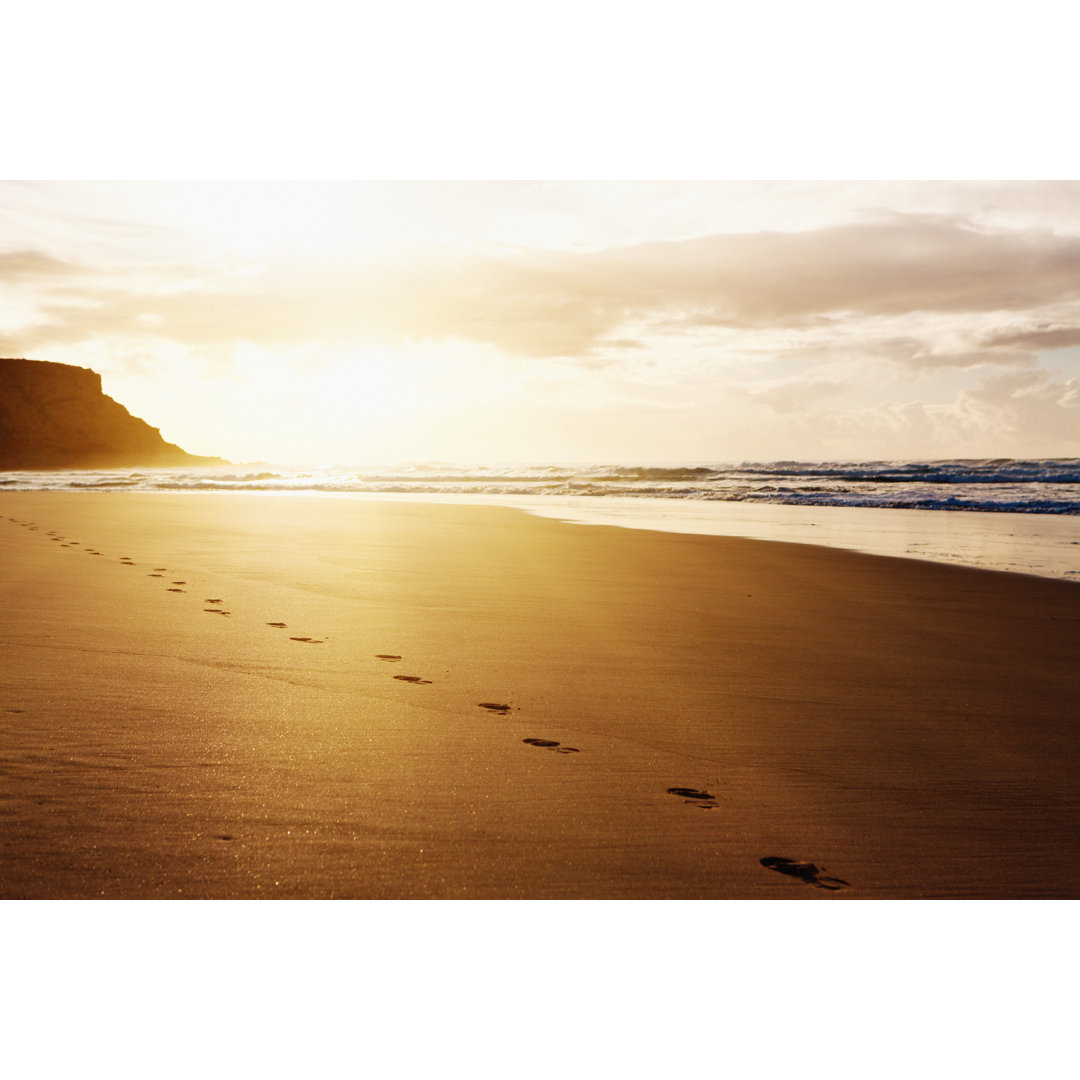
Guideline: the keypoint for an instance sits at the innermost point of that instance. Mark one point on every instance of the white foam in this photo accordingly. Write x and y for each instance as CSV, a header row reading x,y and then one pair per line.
x,y
1046,545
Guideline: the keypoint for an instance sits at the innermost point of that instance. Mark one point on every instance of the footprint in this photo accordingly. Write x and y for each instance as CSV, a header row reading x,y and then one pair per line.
x,y
804,871
174,590
279,625
309,641
694,796
162,569
386,656
689,793
179,582
413,679
502,710
216,611
551,744
153,575
213,601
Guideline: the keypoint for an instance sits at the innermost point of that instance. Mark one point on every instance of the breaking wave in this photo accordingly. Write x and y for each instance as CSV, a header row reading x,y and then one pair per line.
x,y
1035,486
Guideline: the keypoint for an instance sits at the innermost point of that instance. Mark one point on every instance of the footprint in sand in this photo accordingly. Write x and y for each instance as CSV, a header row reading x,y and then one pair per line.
x,y
494,707
306,640
162,569
694,796
179,582
804,871
155,575
277,625
386,656
219,601
216,611
551,744
413,679
174,590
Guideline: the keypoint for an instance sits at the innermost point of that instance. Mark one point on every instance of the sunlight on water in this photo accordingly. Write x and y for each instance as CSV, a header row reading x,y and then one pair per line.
x,y
1001,514
1042,544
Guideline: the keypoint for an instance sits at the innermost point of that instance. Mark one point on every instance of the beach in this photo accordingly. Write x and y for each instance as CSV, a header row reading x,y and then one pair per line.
x,y
244,696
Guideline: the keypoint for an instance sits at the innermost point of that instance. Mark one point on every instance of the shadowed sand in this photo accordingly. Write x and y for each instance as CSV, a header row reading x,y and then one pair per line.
x,y
857,727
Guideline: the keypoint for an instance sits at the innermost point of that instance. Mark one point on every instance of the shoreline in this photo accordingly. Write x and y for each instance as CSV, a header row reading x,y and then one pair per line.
x,y
672,710
1039,545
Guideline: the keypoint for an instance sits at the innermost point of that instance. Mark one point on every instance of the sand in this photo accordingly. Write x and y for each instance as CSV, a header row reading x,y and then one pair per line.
x,y
220,696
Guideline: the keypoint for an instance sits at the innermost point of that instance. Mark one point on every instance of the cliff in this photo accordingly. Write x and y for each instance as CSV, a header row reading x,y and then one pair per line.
x,y
54,416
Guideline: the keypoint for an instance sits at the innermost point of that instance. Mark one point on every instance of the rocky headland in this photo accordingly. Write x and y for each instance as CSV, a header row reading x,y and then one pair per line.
x,y
55,416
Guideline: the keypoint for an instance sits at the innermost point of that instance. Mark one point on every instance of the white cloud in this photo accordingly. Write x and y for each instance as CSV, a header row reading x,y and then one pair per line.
x,y
536,302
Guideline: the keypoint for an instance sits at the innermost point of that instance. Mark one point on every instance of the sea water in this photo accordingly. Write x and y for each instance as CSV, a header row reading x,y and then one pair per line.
x,y
1002,514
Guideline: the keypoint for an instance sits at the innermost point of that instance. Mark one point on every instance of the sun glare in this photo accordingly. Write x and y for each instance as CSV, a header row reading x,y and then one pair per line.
x,y
251,219
366,386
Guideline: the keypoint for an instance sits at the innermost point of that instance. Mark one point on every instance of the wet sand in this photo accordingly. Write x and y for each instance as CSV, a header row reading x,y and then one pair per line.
x,y
236,696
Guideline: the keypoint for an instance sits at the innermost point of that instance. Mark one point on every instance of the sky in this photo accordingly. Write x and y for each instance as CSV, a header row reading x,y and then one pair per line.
x,y
483,234
355,322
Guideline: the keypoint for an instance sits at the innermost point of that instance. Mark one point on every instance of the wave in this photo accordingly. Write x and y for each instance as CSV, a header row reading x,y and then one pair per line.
x,y
1031,486
963,471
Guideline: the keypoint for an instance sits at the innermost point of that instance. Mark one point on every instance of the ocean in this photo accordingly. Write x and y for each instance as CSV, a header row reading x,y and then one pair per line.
x,y
1001,513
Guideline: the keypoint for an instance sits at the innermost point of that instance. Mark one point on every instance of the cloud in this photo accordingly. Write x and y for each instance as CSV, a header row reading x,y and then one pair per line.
x,y
572,303
1027,413
16,266
1028,403
897,264
925,356
1041,338
795,394
1024,413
